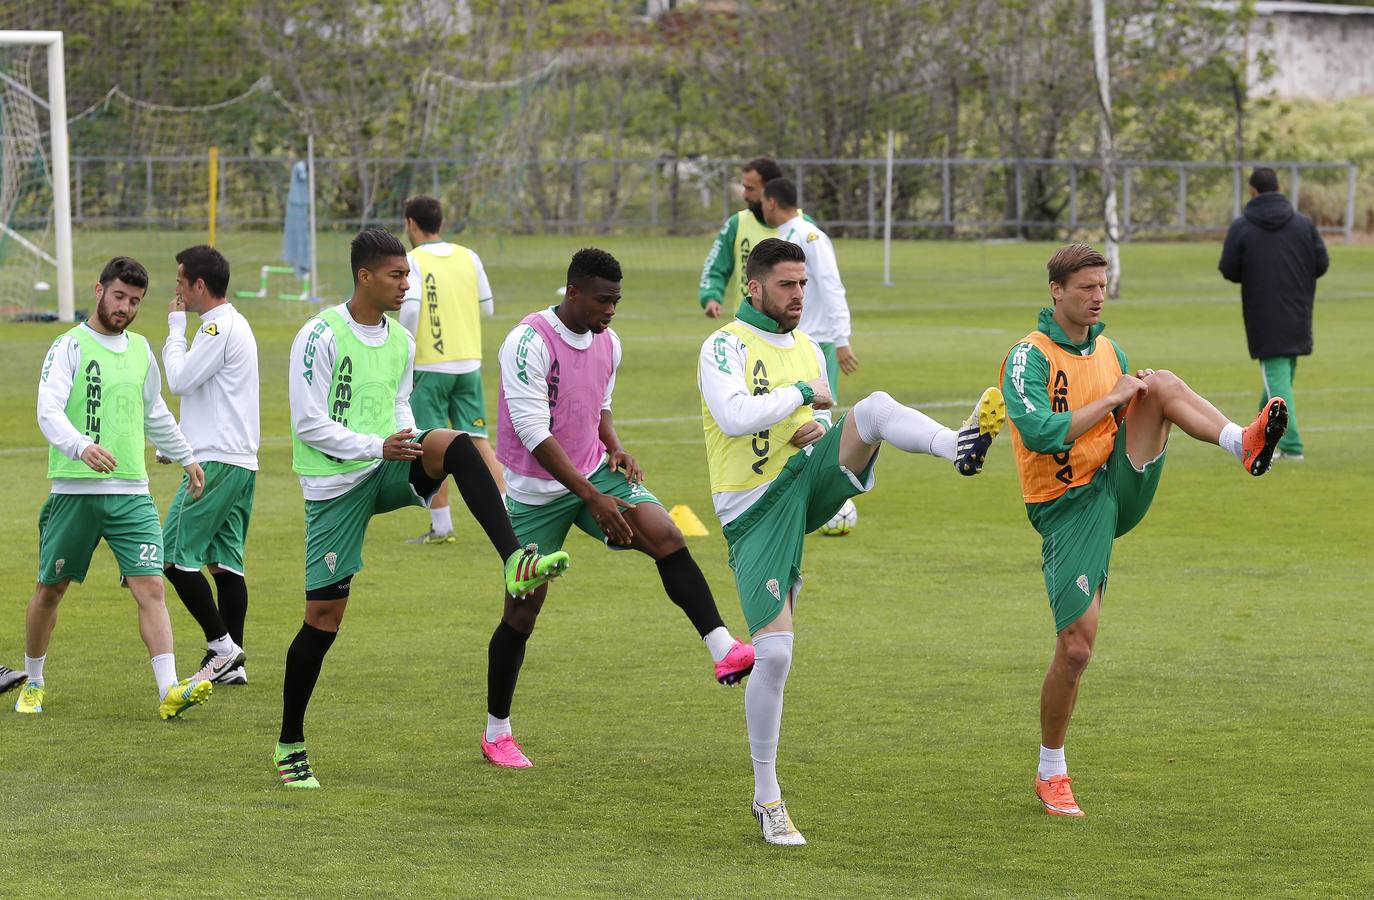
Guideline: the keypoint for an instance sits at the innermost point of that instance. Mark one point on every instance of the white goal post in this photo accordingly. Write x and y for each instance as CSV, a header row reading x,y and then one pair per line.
x,y
61,176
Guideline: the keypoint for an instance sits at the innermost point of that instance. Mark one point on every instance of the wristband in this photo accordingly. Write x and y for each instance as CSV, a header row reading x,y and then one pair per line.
x,y
807,394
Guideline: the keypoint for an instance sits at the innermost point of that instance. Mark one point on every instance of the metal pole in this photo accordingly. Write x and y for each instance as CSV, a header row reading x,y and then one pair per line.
x,y
61,178
213,211
314,250
887,212
1350,203
947,194
801,185
1182,197
872,204
1073,200
1126,203
1297,185
1235,191
653,193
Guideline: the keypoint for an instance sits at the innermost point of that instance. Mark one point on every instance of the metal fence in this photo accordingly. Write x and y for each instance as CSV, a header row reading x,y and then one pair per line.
x,y
932,197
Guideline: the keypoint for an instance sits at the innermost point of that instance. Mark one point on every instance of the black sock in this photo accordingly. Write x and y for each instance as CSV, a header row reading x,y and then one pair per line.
x,y
483,500
303,661
505,654
233,603
194,592
687,587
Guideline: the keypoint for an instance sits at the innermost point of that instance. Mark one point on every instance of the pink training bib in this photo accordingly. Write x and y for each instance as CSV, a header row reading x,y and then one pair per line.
x,y
576,383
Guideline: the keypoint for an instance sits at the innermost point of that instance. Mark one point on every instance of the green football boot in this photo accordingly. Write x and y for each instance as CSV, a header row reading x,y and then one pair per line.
x,y
30,699
526,570
182,696
293,767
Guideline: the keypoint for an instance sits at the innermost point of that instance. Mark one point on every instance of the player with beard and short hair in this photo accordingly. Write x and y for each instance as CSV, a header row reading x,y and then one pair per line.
x,y
356,451
99,393
565,466
723,285
779,469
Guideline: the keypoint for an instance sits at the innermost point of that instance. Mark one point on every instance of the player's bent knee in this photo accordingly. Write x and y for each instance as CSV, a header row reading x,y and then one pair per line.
x,y
871,413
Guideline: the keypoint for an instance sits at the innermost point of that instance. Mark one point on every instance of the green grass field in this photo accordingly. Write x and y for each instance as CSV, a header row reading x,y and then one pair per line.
x,y
1222,741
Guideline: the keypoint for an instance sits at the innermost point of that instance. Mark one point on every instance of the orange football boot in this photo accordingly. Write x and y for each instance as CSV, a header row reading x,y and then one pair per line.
x,y
1054,792
1262,436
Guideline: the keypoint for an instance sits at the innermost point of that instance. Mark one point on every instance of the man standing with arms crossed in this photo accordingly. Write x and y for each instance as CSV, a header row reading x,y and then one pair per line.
x,y
217,380
448,286
98,394
1089,440
779,470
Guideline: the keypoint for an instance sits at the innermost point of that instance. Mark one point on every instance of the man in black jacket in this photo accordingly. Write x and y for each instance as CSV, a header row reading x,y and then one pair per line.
x,y
1276,255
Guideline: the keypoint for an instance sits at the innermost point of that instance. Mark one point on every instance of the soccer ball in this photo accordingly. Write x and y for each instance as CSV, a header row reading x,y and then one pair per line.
x,y
843,522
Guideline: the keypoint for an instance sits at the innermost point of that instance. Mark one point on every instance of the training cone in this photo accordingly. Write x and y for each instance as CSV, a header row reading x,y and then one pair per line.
x,y
687,521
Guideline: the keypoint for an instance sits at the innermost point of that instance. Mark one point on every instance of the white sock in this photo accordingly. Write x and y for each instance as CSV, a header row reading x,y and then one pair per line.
x,y
1230,440
165,672
881,418
222,645
763,709
34,668
1052,763
441,520
718,643
497,727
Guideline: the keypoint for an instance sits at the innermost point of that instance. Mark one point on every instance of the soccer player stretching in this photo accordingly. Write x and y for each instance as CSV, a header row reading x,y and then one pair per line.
x,y
779,470
565,466
357,455
217,379
98,394
1089,439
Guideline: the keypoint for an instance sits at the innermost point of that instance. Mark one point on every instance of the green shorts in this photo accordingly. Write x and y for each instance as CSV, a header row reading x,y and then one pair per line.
x,y
334,529
442,400
1079,528
71,525
832,368
766,542
212,528
547,525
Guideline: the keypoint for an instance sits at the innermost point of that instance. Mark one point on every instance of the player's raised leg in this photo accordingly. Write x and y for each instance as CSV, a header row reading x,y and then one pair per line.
x,y
452,453
656,535
878,418
1168,400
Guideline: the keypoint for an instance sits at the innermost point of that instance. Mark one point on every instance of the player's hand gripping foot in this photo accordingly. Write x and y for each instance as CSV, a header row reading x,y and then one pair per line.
x,y
505,752
30,699
978,430
434,537
218,668
182,696
777,824
1261,436
10,678
526,570
1056,795
293,767
737,664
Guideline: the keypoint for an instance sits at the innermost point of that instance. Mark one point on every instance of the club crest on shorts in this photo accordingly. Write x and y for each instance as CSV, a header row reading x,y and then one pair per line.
x,y
58,566
772,586
1082,584
331,559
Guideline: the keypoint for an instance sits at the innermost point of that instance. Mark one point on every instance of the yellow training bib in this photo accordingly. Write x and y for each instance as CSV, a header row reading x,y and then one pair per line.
x,y
745,462
450,326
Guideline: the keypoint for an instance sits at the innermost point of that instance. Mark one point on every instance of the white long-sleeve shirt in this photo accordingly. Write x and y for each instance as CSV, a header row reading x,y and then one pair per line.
x,y
410,309
54,390
217,379
825,309
310,403
528,401
739,412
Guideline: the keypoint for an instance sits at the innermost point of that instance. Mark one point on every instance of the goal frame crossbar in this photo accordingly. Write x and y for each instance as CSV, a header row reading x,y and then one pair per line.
x,y
61,174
